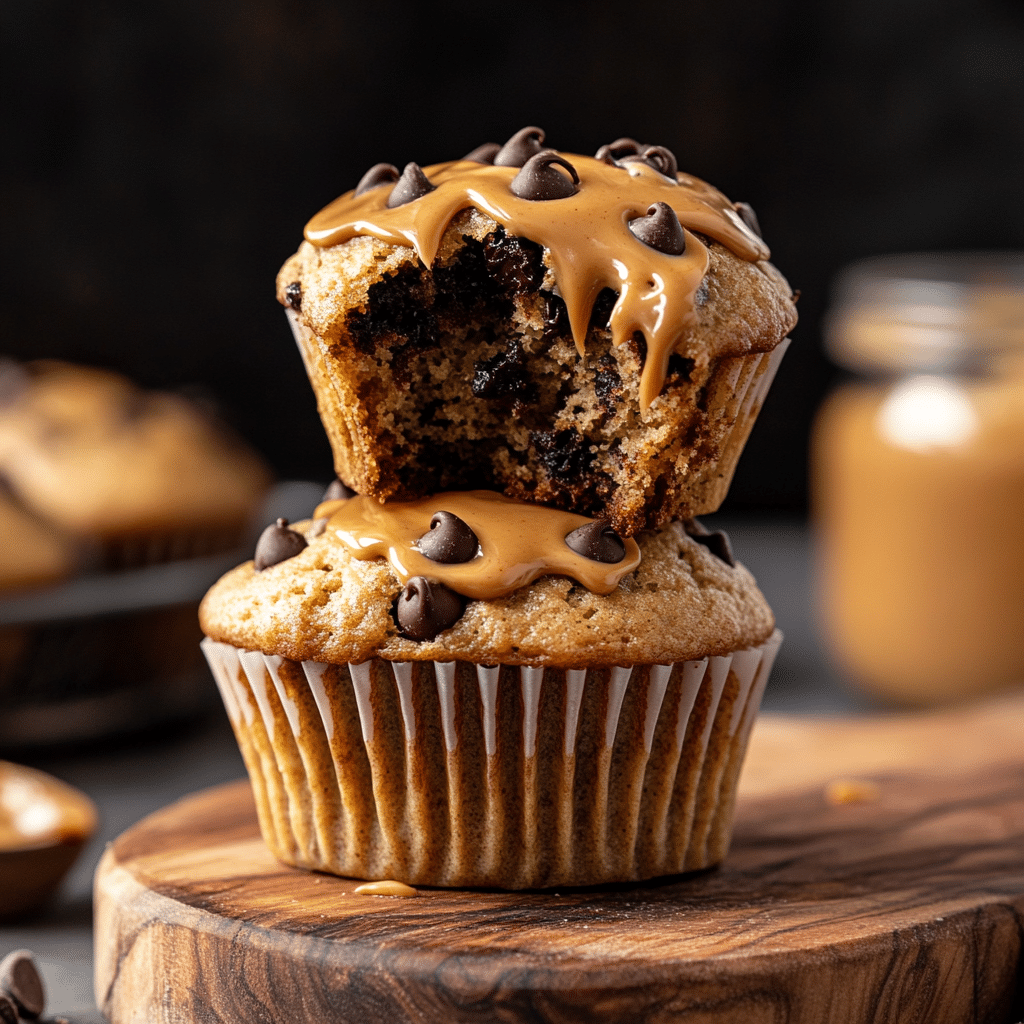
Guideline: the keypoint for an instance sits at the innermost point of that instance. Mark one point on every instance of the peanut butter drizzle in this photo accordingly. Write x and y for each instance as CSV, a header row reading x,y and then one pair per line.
x,y
586,235
387,887
518,542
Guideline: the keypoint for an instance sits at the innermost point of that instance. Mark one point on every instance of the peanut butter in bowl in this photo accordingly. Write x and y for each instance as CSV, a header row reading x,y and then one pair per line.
x,y
44,823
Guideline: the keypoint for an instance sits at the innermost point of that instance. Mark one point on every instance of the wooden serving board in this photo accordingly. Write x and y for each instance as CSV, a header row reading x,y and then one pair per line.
x,y
905,908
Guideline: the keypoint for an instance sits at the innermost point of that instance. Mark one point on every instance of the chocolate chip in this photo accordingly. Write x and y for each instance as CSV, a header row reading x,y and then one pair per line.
x,y
747,215
598,542
450,540
716,542
660,229
565,454
337,491
425,608
539,181
8,1011
276,544
378,174
504,376
317,527
525,143
658,157
293,295
616,150
413,184
20,981
484,154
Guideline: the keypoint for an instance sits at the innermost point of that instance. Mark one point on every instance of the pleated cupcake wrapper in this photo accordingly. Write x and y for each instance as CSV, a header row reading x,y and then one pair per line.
x,y
744,382
456,774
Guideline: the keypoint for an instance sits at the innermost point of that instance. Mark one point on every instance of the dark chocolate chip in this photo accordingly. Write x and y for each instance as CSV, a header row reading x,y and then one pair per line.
x,y
598,542
293,295
616,150
276,544
378,174
20,981
413,184
484,154
525,143
716,542
450,540
565,454
8,1011
607,383
539,181
747,215
660,229
504,376
516,264
425,608
337,491
658,157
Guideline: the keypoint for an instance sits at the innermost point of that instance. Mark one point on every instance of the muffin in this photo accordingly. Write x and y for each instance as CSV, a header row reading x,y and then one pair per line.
x,y
560,734
504,652
596,334
138,476
31,553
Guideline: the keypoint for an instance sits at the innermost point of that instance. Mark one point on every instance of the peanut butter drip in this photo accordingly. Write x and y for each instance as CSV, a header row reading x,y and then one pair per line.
x,y
586,235
518,542
387,887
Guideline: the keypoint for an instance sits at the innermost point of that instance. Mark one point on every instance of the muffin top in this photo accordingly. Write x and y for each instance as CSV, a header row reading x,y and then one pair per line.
x,y
624,220
681,602
91,453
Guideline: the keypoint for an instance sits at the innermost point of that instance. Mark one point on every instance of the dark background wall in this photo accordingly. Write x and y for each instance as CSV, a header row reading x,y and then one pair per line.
x,y
160,158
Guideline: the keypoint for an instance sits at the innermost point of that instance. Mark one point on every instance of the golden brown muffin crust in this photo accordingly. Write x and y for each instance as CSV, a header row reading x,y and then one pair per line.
x,y
682,603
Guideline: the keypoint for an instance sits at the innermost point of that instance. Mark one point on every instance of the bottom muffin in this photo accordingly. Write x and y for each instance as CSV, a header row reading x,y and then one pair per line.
x,y
553,736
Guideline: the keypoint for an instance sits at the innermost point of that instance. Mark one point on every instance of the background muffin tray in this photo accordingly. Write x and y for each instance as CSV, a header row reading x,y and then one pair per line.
x,y
905,906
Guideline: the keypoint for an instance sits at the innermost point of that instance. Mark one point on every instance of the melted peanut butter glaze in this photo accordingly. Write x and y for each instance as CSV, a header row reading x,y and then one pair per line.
x,y
586,235
518,542
388,887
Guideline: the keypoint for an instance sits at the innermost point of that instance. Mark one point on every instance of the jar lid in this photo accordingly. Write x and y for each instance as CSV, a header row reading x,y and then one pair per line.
x,y
940,311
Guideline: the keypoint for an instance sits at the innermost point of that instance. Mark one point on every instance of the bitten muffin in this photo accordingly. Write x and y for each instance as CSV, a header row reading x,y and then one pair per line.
x,y
554,735
594,334
142,476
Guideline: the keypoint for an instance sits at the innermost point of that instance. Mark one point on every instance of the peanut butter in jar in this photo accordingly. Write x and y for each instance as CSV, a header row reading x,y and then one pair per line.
x,y
918,478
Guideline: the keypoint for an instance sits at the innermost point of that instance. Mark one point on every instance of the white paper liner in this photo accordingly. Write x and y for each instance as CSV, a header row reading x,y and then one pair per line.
x,y
449,773
746,381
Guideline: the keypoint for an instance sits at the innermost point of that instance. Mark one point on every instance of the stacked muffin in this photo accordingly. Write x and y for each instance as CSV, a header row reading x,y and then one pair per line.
x,y
505,653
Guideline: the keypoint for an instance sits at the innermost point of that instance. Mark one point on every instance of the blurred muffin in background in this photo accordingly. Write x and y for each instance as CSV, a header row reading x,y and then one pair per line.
x,y
137,476
31,553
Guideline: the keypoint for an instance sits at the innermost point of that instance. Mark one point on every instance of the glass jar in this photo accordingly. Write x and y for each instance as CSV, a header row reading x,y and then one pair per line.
x,y
918,477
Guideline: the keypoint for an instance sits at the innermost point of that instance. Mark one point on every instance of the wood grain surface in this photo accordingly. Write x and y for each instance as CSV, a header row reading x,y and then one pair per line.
x,y
905,908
